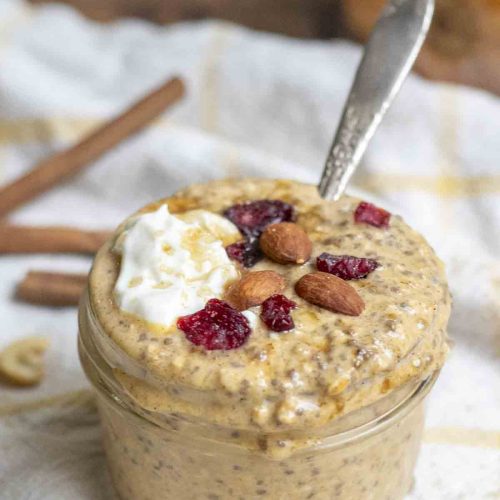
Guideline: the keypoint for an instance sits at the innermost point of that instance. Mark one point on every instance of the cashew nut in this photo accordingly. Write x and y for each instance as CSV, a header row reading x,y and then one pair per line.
x,y
21,362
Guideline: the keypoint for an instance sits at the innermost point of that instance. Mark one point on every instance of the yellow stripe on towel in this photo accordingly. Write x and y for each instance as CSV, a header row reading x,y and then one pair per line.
x,y
445,186
462,436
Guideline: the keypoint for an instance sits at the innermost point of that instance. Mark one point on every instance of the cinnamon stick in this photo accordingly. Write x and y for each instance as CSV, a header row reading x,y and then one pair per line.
x,y
51,288
68,163
51,239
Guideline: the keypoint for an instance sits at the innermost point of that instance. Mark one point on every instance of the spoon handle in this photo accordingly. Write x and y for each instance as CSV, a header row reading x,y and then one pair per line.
x,y
388,57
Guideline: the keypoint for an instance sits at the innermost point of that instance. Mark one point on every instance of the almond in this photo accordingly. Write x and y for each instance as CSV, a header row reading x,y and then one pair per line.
x,y
254,288
286,243
328,291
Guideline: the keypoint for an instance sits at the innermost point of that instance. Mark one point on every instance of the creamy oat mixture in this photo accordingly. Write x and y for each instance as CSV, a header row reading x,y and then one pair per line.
x,y
262,420
329,365
150,463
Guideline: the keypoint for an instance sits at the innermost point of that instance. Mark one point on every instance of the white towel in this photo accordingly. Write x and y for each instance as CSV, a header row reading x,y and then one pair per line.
x,y
258,104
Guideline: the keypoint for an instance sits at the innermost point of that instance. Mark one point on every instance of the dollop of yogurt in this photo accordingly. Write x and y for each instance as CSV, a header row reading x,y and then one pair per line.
x,y
172,264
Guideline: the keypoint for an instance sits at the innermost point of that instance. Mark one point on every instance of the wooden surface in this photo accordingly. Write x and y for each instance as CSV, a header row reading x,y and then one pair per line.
x,y
463,45
293,17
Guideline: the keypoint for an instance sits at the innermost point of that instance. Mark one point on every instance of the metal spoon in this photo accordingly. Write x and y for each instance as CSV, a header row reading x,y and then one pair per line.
x,y
389,55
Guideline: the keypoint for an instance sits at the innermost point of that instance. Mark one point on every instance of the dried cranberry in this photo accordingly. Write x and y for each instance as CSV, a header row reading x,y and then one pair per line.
x,y
346,267
217,326
371,214
252,217
275,313
246,252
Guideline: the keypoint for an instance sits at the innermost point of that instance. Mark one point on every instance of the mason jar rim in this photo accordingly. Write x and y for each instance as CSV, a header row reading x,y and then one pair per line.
x,y
328,441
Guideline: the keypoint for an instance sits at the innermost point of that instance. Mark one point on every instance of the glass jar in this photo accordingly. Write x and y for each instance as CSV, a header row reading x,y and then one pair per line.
x,y
367,454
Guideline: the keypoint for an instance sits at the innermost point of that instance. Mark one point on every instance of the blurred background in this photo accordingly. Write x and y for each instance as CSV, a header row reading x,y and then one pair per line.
x,y
265,86
463,45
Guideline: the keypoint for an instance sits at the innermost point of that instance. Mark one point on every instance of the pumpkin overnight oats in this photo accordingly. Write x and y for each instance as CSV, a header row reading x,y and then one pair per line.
x,y
248,339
